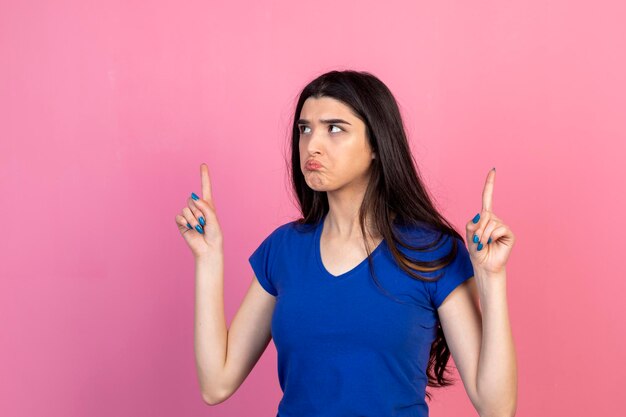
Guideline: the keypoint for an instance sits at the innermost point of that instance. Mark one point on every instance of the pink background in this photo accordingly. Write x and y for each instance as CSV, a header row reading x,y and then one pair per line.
x,y
108,109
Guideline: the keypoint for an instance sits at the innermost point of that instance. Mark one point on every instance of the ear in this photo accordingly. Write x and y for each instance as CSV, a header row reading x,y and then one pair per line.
x,y
373,155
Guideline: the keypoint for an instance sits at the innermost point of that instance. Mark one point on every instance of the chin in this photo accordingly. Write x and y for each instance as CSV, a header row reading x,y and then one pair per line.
x,y
319,186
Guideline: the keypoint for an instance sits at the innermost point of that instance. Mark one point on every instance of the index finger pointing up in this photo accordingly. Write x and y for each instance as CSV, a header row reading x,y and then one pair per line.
x,y
206,182
488,190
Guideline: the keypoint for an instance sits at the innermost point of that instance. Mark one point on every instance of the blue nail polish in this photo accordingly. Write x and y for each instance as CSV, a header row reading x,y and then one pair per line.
x,y
476,218
194,196
475,239
189,226
489,241
201,220
199,229
480,246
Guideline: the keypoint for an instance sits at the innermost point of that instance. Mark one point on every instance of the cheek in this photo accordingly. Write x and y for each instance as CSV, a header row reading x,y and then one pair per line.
x,y
303,154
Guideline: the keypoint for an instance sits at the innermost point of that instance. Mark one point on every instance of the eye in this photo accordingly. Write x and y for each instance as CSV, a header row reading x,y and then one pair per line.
x,y
301,127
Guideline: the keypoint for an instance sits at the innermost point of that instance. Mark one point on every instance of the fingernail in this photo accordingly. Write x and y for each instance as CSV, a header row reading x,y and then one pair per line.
x,y
476,218
480,246
199,229
475,239
201,220
489,241
189,226
194,196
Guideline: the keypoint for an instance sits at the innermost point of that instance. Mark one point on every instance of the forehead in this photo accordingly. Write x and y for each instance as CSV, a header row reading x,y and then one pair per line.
x,y
328,106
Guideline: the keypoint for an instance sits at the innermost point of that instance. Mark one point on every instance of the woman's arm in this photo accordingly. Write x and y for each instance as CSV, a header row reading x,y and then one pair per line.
x,y
481,344
225,357
496,381
493,240
210,332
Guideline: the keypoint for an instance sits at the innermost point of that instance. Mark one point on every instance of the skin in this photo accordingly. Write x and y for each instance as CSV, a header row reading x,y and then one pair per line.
x,y
482,342
346,157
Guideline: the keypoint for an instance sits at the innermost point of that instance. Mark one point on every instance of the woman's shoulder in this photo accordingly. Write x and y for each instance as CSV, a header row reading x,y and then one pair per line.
x,y
424,239
417,230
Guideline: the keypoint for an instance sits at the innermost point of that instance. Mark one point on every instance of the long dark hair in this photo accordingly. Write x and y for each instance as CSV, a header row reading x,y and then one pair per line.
x,y
395,194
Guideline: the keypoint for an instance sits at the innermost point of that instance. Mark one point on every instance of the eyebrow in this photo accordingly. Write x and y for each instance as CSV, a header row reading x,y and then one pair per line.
x,y
325,121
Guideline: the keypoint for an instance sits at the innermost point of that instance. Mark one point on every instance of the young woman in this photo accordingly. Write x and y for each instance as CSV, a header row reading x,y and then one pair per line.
x,y
370,291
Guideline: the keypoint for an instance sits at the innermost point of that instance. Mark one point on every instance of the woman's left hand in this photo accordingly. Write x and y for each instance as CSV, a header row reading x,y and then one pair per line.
x,y
489,240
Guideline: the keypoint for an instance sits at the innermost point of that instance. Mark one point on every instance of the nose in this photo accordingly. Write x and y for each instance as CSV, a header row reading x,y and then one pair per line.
x,y
315,141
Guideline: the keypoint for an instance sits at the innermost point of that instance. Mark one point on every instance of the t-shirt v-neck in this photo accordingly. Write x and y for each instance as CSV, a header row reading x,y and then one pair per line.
x,y
318,253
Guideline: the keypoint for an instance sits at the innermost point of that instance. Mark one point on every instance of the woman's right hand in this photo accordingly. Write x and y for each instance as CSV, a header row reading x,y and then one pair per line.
x,y
209,238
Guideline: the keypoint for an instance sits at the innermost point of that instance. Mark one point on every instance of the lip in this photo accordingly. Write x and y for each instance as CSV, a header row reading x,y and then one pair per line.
x,y
313,165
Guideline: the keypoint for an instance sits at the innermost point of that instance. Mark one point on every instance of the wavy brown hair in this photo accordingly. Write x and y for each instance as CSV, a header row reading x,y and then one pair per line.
x,y
395,195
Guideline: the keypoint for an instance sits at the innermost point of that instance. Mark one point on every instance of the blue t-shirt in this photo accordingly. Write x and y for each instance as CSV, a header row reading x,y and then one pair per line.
x,y
346,348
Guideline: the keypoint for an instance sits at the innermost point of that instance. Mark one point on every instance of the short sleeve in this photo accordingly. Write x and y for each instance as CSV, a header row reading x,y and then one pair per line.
x,y
262,260
454,274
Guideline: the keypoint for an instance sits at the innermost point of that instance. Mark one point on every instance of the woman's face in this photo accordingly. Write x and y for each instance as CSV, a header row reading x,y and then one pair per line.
x,y
333,136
